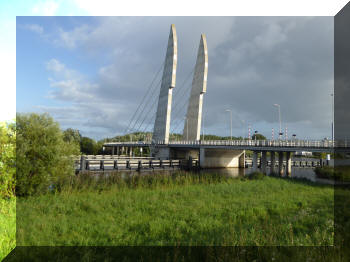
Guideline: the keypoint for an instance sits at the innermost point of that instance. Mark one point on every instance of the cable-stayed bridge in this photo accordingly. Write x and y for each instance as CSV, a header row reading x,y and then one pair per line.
x,y
157,108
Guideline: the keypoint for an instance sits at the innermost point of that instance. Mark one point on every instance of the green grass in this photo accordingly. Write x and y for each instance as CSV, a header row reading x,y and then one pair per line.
x,y
179,210
7,226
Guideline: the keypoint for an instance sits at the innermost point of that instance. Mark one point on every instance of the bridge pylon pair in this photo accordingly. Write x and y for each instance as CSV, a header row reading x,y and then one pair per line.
x,y
193,120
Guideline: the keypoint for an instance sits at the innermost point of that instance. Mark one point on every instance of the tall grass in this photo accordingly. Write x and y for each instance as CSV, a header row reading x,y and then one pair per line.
x,y
7,226
178,209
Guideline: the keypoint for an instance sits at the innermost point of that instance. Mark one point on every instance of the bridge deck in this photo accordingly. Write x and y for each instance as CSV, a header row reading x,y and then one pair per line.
x,y
254,145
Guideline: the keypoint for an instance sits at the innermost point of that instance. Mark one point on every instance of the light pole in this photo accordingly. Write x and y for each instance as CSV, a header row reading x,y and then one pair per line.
x,y
332,97
202,126
279,117
243,122
229,110
185,118
255,132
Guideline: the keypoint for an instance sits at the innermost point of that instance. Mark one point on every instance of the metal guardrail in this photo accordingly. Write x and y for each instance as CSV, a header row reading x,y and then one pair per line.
x,y
250,143
85,164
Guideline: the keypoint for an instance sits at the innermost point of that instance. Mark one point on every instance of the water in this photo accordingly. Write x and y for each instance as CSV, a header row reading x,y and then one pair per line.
x,y
297,172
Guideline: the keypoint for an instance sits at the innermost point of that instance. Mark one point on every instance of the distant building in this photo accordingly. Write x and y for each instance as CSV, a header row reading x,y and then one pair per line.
x,y
302,153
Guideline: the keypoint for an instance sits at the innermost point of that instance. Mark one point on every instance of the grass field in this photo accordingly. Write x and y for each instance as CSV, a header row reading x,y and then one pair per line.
x,y
180,210
7,226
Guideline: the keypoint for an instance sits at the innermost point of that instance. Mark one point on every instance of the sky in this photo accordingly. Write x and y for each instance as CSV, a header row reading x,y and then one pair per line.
x,y
91,72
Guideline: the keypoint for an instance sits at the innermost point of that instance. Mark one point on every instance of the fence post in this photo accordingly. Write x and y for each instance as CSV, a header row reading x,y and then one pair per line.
x,y
139,166
102,166
82,163
115,164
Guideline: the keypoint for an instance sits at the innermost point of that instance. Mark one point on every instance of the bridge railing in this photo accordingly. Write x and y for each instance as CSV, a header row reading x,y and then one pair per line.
x,y
260,143
252,143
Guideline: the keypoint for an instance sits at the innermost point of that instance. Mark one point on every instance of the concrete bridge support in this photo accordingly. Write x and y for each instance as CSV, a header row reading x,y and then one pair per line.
x,y
255,161
289,164
263,162
273,162
280,163
220,158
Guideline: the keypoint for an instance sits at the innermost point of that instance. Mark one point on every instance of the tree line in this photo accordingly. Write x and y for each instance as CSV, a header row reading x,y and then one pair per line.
x,y
37,156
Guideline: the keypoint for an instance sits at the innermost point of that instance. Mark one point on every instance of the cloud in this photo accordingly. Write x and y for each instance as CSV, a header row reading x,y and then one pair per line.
x,y
254,62
46,8
34,28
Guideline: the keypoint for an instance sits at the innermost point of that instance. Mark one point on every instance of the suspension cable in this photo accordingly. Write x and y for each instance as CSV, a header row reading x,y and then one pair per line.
x,y
149,88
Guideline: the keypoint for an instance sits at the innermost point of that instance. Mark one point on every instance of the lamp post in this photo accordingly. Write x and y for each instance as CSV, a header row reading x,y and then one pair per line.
x,y
332,96
243,122
185,118
279,117
229,110
255,132
202,126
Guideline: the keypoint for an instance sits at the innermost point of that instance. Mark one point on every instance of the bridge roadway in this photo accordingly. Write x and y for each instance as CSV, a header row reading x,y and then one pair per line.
x,y
253,145
216,153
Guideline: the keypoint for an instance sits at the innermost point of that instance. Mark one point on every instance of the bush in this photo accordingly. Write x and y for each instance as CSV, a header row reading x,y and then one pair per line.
x,y
256,175
339,173
44,159
7,159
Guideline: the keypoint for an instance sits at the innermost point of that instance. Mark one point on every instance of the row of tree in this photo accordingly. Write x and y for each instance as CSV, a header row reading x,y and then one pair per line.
x,y
40,154
7,159
89,146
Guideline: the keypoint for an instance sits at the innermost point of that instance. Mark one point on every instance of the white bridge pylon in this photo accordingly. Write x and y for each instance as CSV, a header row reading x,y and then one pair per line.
x,y
192,127
162,122
193,120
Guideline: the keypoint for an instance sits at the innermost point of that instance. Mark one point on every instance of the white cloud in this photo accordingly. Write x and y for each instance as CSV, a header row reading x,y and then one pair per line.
x,y
254,62
68,84
47,8
35,28
8,70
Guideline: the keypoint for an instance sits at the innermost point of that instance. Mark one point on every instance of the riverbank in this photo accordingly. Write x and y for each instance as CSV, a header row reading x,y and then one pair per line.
x,y
180,210
7,226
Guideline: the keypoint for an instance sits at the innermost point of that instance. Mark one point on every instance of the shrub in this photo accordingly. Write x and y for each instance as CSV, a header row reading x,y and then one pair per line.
x,y
256,175
43,157
339,173
7,159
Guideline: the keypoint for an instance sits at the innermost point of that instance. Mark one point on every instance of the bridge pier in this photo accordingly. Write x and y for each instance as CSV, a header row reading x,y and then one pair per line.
x,y
263,162
255,161
280,163
273,162
113,150
289,164
220,158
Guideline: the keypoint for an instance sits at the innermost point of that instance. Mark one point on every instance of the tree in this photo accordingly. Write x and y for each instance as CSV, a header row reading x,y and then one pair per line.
x,y
43,158
7,159
88,146
258,137
72,135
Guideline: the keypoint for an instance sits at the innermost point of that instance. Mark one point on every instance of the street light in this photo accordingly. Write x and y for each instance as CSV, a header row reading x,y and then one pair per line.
x,y
229,110
279,116
202,126
255,132
243,122
185,118
332,96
